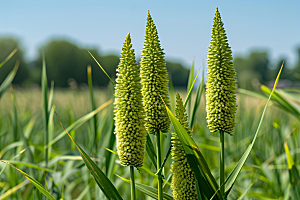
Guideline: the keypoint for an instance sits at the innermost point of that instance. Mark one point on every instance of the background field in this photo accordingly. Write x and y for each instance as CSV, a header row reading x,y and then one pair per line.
x,y
266,168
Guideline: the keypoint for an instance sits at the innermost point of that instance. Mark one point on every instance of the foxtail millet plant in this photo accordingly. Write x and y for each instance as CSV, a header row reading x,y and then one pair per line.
x,y
154,79
129,116
183,180
220,88
221,81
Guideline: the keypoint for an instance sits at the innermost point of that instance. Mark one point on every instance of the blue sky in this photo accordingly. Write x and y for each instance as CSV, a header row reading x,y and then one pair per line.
x,y
184,27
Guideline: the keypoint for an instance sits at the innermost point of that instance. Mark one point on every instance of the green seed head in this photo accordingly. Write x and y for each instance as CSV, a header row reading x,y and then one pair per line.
x,y
183,180
221,81
129,118
154,79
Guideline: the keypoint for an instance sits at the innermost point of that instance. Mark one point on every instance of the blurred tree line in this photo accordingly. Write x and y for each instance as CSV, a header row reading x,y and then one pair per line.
x,y
256,69
67,65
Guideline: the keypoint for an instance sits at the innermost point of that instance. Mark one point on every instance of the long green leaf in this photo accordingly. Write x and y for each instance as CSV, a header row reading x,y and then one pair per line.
x,y
293,172
150,191
93,106
33,181
251,93
190,83
29,165
9,79
165,159
102,181
8,57
150,151
235,172
44,84
109,161
102,69
190,91
282,102
197,101
196,160
245,192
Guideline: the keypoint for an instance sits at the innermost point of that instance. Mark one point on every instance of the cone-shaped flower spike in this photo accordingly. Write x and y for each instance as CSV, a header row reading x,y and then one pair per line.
x,y
183,180
154,79
221,81
129,118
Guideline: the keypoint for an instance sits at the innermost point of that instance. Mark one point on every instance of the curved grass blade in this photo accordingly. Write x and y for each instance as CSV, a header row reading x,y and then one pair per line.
x,y
251,93
93,106
44,84
197,101
293,172
235,172
287,192
102,69
102,181
50,98
150,191
282,102
165,160
10,146
8,57
190,82
78,123
191,89
196,160
25,164
150,151
109,161
171,93
33,181
245,192
9,79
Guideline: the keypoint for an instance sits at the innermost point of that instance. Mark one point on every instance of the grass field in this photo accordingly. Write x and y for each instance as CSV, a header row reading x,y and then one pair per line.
x,y
266,169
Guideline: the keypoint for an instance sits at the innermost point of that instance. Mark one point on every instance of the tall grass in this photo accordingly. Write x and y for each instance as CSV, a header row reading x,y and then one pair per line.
x,y
53,156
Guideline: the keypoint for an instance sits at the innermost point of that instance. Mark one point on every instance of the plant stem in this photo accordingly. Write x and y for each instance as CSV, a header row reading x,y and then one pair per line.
x,y
159,177
222,163
132,183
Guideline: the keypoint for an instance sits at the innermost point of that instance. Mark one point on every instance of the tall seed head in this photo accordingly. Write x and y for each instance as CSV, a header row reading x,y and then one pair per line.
x,y
129,117
183,180
154,79
221,81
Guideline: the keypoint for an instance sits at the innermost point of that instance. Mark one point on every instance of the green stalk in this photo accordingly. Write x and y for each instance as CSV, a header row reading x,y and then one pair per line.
x,y
132,183
159,177
222,163
93,106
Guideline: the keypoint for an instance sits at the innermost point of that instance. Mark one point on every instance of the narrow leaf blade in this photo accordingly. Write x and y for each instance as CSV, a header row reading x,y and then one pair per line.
x,y
33,181
8,57
235,172
102,181
9,79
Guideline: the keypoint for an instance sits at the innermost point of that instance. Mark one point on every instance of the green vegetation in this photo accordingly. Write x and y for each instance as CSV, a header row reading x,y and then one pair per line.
x,y
37,160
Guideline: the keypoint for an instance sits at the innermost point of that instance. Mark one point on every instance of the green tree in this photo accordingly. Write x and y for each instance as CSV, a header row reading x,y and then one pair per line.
x,y
178,73
66,60
296,69
7,45
253,70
